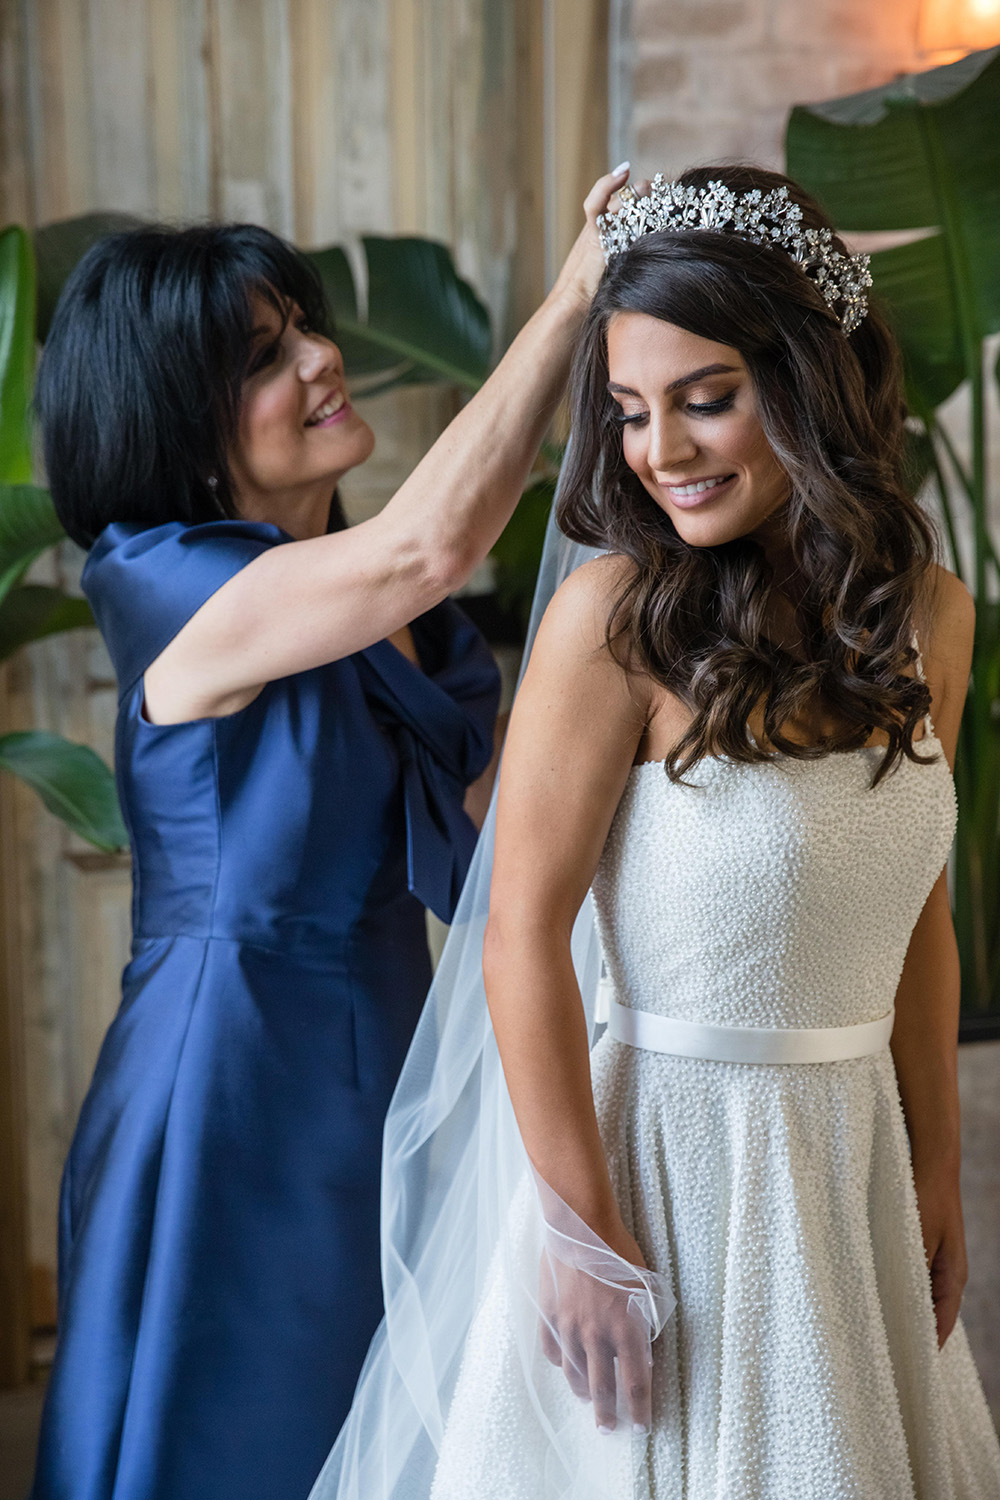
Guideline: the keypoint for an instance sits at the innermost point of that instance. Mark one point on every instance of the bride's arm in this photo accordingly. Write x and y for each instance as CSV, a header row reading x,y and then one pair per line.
x,y
572,739
925,1034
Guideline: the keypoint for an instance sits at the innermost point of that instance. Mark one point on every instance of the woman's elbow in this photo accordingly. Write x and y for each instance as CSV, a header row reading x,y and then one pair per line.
x,y
454,566
437,570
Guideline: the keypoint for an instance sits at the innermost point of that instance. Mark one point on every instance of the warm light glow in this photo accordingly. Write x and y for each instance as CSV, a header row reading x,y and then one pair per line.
x,y
959,25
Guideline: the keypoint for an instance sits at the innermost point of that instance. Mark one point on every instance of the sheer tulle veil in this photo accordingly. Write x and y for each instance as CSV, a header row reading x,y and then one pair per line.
x,y
465,1222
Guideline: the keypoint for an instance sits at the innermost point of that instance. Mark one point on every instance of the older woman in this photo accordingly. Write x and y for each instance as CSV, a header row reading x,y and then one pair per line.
x,y
300,714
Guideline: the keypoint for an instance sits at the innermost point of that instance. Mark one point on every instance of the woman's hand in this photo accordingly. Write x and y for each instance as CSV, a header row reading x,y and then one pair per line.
x,y
944,1242
584,265
587,1324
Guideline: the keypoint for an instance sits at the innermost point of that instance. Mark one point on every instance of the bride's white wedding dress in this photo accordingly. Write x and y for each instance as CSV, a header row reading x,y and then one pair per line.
x,y
801,1362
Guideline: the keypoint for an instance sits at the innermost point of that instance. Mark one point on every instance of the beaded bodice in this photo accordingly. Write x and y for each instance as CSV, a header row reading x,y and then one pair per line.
x,y
777,894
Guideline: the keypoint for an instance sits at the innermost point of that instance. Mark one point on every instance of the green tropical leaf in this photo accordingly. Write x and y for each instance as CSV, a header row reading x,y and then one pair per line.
x,y
72,781
918,154
423,321
33,611
17,354
28,527
913,285
360,356
59,246
858,153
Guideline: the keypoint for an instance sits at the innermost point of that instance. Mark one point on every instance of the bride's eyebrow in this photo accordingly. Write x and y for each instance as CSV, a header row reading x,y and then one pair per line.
x,y
675,385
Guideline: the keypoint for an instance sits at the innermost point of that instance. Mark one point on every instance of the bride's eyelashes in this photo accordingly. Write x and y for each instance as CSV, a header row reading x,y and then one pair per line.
x,y
698,408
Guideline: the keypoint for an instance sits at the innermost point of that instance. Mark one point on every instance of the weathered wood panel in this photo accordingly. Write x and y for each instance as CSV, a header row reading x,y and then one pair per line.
x,y
322,119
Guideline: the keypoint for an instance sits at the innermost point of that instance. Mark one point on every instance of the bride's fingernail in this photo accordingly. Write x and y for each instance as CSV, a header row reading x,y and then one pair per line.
x,y
640,1429
617,172
605,1431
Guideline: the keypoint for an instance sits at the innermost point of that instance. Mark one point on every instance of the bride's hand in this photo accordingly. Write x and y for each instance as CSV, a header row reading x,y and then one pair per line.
x,y
584,265
944,1242
587,1325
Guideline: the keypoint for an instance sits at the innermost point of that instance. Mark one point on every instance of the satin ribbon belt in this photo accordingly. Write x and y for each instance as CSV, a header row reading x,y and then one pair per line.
x,y
748,1044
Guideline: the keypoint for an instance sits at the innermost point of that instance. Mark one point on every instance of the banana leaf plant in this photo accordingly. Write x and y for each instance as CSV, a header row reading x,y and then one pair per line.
x,y
923,154
72,781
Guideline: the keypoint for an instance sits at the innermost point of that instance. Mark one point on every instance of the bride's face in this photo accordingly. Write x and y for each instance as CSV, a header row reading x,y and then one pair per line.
x,y
691,432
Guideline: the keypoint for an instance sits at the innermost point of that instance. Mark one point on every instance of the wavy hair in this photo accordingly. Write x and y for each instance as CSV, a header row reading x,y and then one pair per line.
x,y
831,406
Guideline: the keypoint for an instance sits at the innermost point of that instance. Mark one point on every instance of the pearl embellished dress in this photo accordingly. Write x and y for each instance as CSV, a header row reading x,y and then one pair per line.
x,y
801,1362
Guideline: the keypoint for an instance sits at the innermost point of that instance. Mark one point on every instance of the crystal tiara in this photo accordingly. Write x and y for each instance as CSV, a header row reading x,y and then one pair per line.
x,y
771,218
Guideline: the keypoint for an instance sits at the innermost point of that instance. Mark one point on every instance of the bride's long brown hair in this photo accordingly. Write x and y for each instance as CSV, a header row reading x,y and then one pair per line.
x,y
832,409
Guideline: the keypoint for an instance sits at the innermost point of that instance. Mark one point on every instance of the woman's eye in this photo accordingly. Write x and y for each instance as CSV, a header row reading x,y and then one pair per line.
x,y
710,408
629,418
262,358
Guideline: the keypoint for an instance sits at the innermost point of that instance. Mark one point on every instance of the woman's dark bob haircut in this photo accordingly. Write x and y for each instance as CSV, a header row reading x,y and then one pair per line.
x,y
138,391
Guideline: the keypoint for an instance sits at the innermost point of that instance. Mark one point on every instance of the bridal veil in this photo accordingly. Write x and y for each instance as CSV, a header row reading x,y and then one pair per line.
x,y
462,1215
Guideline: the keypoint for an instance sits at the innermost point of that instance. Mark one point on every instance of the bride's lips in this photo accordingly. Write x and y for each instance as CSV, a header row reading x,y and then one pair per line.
x,y
687,497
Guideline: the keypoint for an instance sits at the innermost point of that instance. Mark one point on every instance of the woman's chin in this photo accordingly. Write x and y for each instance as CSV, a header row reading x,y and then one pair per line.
x,y
355,448
365,443
707,530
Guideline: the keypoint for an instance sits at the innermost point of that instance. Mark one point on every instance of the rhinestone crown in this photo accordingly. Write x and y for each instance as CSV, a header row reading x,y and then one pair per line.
x,y
771,218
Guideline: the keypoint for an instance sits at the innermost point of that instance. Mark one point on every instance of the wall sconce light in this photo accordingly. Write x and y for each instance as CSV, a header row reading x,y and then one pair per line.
x,y
959,26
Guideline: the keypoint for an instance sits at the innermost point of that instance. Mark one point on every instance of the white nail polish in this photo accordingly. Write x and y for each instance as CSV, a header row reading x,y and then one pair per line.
x,y
623,168
605,1431
640,1429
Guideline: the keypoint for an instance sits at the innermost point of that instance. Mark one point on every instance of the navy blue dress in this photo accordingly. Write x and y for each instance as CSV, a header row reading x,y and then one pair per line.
x,y
219,1246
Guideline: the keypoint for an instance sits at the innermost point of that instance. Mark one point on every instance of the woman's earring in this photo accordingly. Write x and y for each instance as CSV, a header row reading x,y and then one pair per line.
x,y
213,483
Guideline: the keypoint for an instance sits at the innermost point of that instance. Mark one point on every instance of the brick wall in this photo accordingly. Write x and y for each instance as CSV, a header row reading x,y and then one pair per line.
x,y
714,79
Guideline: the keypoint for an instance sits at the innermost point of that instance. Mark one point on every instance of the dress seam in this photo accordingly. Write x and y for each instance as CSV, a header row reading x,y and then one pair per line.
x,y
218,824
291,950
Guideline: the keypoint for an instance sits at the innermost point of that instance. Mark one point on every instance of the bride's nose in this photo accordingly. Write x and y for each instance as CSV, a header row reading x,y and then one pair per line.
x,y
671,444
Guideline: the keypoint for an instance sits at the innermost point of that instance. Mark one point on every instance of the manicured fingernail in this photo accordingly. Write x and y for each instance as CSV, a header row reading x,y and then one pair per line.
x,y
623,168
640,1429
605,1431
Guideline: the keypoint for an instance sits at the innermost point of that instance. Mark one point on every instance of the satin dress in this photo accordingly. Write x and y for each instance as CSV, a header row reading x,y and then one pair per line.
x,y
219,1219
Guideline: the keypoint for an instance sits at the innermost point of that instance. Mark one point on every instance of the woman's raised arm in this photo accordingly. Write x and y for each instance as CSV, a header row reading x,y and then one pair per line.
x,y
313,601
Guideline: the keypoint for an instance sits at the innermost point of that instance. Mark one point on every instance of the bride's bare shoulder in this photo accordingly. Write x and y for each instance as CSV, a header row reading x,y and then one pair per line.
x,y
582,607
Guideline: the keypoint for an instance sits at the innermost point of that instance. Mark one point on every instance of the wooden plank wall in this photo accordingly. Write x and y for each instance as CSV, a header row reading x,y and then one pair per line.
x,y
481,122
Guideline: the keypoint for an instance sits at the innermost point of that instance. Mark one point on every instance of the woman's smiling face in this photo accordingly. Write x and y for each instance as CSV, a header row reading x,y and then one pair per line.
x,y
298,433
691,433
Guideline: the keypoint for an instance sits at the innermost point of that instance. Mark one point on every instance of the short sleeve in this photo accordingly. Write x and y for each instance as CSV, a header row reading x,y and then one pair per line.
x,y
145,583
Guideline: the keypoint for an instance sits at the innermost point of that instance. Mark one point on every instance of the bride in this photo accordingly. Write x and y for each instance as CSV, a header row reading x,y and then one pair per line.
x,y
721,1253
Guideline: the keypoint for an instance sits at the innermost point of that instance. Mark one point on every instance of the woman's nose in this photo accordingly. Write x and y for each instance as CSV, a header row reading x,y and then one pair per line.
x,y
671,445
318,357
